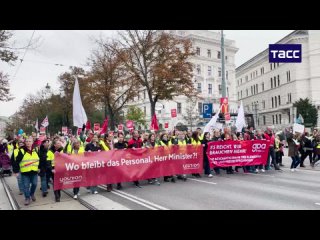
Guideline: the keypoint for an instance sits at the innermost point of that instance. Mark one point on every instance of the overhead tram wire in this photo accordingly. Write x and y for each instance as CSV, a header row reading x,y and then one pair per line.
x,y
27,48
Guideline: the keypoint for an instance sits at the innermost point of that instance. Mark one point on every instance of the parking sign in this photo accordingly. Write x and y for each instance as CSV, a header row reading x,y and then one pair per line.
x,y
207,110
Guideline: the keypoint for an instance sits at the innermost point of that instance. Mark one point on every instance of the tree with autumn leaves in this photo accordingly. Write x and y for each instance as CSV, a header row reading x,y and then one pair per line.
x,y
139,59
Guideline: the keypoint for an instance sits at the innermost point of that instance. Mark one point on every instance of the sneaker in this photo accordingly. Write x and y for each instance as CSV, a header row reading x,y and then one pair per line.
x,y
95,192
20,193
138,185
44,194
27,202
198,176
109,188
150,181
173,180
119,186
257,170
57,199
166,180
262,170
210,175
292,169
75,196
281,165
33,198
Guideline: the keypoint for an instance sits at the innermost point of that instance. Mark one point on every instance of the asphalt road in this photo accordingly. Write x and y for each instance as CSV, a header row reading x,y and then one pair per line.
x,y
278,190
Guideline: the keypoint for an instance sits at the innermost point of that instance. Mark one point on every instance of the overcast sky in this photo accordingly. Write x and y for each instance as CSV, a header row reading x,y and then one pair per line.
x,y
72,48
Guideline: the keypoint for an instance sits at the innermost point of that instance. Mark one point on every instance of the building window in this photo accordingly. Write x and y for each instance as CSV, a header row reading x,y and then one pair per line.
x,y
246,78
251,90
209,53
272,102
238,95
251,76
220,89
198,51
262,70
288,76
275,81
280,118
262,86
257,89
240,80
145,110
263,104
198,69
289,97
278,80
247,92
144,94
274,65
279,100
199,88
275,102
209,70
227,92
219,55
276,119
226,75
272,119
271,83
179,108
270,66
209,88
241,93
238,83
200,108
219,72
264,120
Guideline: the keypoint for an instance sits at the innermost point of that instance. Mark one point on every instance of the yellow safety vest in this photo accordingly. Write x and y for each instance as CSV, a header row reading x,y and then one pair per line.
x,y
15,153
50,157
201,137
29,162
182,142
104,146
69,148
10,148
194,142
80,150
163,144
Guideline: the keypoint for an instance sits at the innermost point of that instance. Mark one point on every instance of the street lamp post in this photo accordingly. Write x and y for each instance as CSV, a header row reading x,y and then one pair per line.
x,y
224,88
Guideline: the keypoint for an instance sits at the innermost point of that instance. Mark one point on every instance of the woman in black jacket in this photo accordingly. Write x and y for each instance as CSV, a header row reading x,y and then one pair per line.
x,y
206,164
44,166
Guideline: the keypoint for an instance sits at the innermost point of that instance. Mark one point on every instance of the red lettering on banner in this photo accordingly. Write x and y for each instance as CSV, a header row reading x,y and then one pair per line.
x,y
238,153
127,165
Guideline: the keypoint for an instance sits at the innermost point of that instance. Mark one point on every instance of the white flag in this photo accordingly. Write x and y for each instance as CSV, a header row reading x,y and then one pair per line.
x,y
212,122
241,121
79,115
36,126
45,122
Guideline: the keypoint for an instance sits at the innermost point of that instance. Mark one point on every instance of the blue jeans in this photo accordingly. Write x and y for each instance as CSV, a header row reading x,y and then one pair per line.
x,y
295,162
44,184
271,155
93,189
21,187
27,180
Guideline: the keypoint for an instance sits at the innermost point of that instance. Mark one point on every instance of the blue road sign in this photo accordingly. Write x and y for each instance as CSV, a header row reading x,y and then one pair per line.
x,y
207,110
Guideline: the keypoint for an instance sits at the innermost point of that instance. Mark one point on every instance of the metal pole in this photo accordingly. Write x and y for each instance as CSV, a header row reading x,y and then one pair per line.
x,y
224,87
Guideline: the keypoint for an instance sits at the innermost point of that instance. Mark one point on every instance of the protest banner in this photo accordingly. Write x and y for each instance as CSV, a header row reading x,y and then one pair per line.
x,y
94,168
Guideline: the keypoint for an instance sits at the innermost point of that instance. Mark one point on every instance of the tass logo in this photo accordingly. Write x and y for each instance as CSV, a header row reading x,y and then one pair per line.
x,y
285,53
258,146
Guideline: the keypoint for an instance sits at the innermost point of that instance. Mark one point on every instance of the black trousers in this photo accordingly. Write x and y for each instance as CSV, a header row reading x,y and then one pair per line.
x,y
76,191
305,155
57,193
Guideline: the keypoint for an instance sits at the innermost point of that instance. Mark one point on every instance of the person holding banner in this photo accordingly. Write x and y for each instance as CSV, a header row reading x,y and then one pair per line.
x,y
56,147
259,136
135,142
165,142
27,162
189,137
216,137
269,136
180,141
76,149
94,146
206,164
151,144
195,140
13,159
121,144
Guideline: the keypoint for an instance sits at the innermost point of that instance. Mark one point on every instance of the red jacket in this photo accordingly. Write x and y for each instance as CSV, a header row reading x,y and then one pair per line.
x,y
271,139
135,143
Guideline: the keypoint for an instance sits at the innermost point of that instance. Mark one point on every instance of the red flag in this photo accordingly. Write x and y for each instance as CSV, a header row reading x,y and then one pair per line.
x,y
104,126
88,125
154,123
